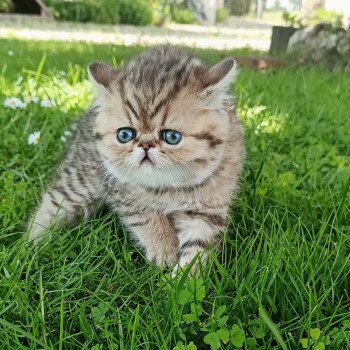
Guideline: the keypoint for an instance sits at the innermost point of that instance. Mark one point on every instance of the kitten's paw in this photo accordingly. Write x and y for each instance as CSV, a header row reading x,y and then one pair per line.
x,y
192,261
164,254
179,270
36,236
162,259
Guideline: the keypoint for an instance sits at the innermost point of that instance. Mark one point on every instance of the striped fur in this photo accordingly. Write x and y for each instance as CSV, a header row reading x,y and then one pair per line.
x,y
176,206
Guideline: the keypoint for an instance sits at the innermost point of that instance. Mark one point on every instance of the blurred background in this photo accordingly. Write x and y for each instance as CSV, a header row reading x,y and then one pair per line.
x,y
220,24
159,12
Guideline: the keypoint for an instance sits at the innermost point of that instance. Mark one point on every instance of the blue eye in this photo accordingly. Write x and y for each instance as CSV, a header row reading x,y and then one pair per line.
x,y
125,135
172,137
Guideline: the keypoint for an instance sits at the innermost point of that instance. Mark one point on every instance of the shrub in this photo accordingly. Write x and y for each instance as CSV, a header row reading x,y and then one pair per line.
x,y
63,11
161,12
222,15
104,11
332,17
5,5
293,20
138,12
238,7
183,15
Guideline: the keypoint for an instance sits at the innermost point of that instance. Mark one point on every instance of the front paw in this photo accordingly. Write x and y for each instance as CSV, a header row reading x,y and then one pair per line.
x,y
193,260
37,235
163,257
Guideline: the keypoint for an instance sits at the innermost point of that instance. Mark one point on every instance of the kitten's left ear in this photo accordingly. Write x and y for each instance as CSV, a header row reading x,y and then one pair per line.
x,y
222,74
102,75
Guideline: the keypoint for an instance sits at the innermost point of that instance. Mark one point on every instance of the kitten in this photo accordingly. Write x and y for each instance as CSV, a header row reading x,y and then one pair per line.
x,y
162,147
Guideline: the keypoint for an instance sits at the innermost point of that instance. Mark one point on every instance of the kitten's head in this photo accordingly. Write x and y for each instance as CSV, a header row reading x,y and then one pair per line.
x,y
163,119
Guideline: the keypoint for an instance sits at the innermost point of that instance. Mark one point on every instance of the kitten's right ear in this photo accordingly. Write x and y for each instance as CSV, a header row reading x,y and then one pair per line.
x,y
222,74
102,75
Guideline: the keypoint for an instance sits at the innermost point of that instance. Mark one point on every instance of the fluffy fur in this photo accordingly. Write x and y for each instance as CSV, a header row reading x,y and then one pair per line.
x,y
175,203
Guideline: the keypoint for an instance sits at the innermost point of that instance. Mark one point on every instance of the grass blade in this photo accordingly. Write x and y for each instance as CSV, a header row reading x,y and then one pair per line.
x,y
22,332
274,329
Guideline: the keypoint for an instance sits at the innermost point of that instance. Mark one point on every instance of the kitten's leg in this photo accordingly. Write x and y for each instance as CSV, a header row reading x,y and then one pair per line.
x,y
155,234
196,231
68,199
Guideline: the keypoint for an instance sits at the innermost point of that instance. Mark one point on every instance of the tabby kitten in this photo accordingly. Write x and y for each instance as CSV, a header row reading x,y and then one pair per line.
x,y
162,147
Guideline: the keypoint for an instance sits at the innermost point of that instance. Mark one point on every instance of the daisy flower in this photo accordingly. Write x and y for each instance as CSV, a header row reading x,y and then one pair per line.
x,y
10,53
34,138
14,102
46,103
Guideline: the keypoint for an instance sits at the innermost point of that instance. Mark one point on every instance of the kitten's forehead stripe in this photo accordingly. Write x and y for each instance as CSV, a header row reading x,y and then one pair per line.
x,y
149,81
127,114
130,106
159,106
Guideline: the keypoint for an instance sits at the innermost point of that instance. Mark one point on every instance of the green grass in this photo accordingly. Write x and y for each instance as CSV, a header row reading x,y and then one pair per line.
x,y
283,273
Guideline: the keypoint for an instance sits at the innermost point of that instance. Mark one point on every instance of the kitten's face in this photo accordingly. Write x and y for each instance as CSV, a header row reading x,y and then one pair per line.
x,y
156,136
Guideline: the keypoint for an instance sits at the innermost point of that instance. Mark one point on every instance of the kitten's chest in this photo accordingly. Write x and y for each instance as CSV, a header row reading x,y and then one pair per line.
x,y
170,201
166,201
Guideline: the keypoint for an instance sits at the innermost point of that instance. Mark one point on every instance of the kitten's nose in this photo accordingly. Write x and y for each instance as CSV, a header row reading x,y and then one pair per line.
x,y
146,145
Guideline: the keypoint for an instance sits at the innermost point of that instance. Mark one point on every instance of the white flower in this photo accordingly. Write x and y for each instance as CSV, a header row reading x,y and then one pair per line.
x,y
46,103
14,102
34,138
62,72
10,53
29,99
68,133
63,138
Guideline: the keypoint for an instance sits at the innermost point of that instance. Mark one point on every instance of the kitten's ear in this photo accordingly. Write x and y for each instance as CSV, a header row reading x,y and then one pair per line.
x,y
102,75
222,74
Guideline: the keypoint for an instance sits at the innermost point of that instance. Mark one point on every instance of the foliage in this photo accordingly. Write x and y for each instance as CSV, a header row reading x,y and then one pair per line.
x,y
222,15
178,11
334,18
6,6
183,15
104,11
211,325
292,19
161,12
238,7
318,339
138,12
284,269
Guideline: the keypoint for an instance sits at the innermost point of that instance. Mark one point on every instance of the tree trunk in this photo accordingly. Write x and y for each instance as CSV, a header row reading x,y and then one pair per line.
x,y
259,6
280,38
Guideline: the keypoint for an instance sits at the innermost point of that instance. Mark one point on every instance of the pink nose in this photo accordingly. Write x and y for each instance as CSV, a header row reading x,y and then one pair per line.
x,y
146,145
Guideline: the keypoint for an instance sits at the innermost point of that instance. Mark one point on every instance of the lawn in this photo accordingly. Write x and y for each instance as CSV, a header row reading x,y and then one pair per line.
x,y
282,280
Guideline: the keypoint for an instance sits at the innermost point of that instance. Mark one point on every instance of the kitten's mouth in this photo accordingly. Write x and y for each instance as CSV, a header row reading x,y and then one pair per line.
x,y
146,160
